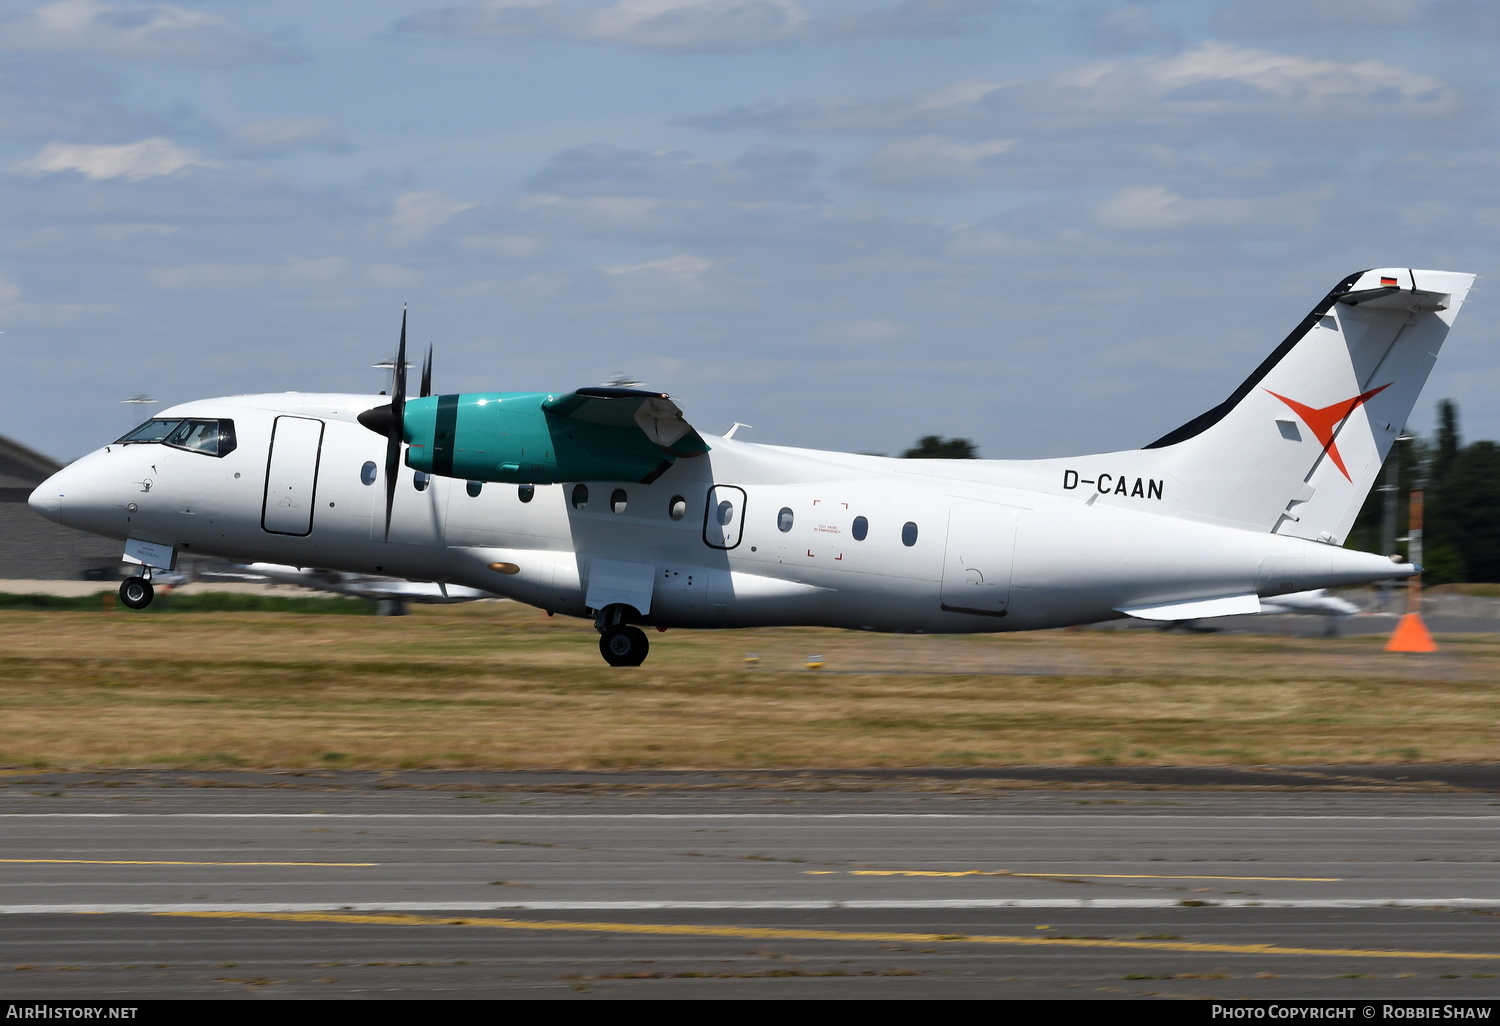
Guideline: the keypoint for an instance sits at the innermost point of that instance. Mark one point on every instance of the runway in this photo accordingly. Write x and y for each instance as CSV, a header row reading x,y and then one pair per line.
x,y
349,886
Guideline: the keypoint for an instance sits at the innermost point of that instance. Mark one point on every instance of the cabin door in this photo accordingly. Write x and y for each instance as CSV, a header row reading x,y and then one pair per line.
x,y
977,564
292,475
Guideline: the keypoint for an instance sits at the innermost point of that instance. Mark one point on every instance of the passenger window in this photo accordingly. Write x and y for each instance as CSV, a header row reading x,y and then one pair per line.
x,y
473,488
420,481
526,492
617,501
677,508
784,519
908,534
724,514
367,472
861,528
580,496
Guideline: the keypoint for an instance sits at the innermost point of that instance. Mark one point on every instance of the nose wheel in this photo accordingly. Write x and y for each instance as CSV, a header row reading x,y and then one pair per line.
x,y
136,593
624,646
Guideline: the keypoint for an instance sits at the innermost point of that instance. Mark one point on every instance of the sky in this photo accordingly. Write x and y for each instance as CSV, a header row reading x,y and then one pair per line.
x,y
1048,226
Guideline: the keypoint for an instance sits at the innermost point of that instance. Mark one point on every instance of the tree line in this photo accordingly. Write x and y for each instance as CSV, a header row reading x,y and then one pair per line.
x,y
1461,503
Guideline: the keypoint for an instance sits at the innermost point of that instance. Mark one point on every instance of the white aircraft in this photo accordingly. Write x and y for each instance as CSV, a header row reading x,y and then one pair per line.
x,y
606,503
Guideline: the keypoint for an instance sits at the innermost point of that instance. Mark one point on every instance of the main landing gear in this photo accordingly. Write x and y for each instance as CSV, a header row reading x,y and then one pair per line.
x,y
136,592
619,643
624,646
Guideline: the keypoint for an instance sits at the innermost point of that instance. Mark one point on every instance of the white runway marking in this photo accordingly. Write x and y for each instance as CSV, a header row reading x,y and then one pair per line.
x,y
627,906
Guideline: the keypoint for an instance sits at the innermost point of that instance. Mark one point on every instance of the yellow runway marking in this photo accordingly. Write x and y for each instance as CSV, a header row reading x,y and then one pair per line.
x,y
1058,876
148,862
774,933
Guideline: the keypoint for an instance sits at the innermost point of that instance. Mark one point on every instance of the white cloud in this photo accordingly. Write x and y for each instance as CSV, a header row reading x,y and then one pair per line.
x,y
417,213
1211,87
159,33
148,158
276,136
930,160
684,267
1155,208
691,25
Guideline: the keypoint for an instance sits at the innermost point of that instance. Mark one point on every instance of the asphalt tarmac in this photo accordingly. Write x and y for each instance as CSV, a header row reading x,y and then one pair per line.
x,y
698,885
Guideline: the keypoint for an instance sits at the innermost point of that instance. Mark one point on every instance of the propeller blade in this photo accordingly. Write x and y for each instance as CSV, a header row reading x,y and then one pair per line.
x,y
427,374
393,440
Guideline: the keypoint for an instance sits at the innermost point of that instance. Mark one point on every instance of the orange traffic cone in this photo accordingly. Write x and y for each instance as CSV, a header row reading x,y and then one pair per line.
x,y
1411,635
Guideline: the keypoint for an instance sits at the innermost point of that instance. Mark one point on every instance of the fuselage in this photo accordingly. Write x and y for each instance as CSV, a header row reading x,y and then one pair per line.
x,y
743,535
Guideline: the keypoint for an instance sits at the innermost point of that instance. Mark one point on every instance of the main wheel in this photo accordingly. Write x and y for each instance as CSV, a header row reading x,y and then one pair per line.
x,y
136,592
624,646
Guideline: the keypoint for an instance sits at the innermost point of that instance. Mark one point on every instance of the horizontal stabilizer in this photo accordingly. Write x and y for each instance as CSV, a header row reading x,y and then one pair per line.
x,y
1194,609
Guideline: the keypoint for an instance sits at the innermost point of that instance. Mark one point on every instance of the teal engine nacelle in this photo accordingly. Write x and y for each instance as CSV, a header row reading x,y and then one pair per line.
x,y
593,434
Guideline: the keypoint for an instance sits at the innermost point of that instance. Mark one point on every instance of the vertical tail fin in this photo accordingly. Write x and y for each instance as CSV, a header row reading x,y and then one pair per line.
x,y
1297,447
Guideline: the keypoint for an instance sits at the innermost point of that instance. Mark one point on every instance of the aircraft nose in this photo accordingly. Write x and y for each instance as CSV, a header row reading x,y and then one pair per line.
x,y
47,500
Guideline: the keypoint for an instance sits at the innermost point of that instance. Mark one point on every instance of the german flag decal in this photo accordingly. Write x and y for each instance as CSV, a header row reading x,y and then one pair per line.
x,y
1387,282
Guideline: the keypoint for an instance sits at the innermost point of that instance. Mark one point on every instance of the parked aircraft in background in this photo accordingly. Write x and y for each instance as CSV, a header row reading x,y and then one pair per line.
x,y
1307,603
1310,603
392,592
607,503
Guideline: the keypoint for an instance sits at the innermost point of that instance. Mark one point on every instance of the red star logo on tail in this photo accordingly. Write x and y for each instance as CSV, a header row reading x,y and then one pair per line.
x,y
1323,423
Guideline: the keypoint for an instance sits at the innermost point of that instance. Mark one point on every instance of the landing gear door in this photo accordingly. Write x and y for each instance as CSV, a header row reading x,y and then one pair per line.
x,y
292,476
724,519
977,565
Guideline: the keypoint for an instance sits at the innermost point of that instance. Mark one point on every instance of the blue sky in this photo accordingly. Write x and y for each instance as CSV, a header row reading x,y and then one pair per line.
x,y
1049,227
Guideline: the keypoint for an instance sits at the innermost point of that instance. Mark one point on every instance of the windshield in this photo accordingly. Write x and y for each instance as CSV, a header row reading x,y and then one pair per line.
x,y
213,437
151,431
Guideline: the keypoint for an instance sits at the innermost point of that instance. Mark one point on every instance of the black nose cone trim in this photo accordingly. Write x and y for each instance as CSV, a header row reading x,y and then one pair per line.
x,y
379,420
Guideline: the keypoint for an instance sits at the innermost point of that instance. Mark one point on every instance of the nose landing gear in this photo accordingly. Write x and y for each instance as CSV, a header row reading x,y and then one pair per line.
x,y
136,592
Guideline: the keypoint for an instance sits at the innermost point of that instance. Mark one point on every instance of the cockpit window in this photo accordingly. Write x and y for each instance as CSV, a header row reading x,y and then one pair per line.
x,y
151,431
213,437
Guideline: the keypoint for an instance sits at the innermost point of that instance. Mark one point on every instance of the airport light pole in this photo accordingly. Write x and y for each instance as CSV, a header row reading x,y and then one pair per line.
x,y
1388,514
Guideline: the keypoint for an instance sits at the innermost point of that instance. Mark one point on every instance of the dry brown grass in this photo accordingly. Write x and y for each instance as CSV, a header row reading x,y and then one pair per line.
x,y
496,685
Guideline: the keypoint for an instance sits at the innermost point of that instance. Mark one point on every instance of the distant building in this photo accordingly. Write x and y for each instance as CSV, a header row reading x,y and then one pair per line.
x,y
34,548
